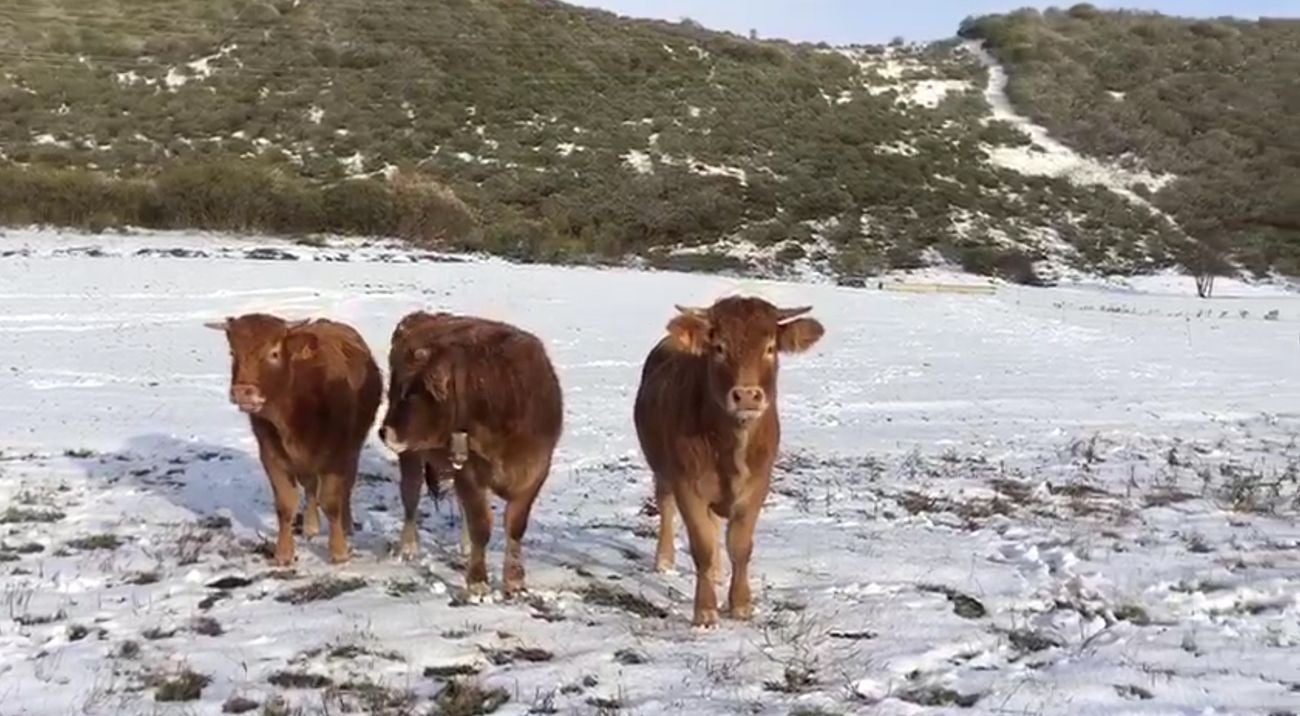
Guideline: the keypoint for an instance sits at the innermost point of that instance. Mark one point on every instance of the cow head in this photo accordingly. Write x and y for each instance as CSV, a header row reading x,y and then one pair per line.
x,y
421,398
741,338
262,350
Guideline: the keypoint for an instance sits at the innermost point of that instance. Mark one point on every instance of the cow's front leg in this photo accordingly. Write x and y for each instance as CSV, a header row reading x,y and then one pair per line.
x,y
478,522
701,530
412,468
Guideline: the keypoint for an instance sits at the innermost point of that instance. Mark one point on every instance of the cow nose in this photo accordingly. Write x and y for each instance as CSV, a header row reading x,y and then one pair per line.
x,y
748,397
246,396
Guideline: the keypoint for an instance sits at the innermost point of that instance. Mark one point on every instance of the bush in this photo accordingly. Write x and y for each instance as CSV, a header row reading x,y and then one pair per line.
x,y
428,212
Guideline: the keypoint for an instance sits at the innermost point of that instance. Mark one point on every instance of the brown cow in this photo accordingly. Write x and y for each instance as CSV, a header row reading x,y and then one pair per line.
x,y
707,422
311,391
480,399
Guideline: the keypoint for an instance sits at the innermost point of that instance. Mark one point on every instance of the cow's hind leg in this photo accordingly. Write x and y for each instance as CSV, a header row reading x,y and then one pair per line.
x,y
311,518
412,468
334,498
666,550
518,508
478,521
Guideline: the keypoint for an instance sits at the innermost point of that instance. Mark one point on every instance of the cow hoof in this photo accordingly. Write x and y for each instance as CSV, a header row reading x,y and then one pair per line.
x,y
514,588
340,558
285,561
665,566
741,613
706,620
409,551
478,590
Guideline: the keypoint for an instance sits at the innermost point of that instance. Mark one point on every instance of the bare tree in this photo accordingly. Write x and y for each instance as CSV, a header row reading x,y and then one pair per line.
x,y
1207,259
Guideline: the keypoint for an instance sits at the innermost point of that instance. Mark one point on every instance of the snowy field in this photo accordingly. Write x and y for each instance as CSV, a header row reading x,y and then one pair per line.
x,y
1048,501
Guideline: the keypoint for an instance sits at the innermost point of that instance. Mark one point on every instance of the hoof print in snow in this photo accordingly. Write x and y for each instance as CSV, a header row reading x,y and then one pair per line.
x,y
215,522
1033,641
451,671
321,590
229,582
1133,693
238,705
938,696
964,606
502,657
630,657
605,595
299,680
206,626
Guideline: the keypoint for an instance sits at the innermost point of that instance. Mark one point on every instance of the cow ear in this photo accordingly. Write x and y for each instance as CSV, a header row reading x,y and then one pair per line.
x,y
437,379
689,332
798,336
302,346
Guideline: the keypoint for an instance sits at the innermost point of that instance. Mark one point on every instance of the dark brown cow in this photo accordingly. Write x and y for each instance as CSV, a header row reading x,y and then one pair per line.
x,y
311,391
480,399
707,421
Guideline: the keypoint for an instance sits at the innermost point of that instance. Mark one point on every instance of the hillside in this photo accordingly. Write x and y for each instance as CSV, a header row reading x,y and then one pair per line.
x,y
544,132
1213,102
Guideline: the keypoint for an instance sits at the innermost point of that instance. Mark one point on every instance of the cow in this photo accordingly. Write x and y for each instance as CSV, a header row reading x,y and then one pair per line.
x,y
706,419
311,390
480,399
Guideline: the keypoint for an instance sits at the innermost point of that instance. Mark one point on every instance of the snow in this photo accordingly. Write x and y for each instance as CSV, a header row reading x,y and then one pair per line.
x,y
355,164
1048,156
1055,501
639,161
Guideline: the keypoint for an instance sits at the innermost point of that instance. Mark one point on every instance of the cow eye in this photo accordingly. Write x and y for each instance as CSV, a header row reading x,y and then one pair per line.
x,y
719,350
771,350
274,355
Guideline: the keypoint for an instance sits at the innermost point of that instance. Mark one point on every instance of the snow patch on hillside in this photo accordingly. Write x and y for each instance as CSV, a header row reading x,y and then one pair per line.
x,y
1047,156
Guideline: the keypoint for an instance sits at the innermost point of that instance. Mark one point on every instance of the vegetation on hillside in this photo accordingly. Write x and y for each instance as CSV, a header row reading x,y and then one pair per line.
x,y
1214,102
534,130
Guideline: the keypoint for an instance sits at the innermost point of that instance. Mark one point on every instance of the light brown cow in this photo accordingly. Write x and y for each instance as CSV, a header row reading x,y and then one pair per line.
x,y
480,399
706,418
311,391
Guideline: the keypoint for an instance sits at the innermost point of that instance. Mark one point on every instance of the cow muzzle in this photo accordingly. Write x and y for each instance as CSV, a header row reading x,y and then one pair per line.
x,y
747,403
389,437
247,398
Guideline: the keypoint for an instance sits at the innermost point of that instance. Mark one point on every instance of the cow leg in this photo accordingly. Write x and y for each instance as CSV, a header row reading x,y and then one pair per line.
x,y
412,468
518,507
478,522
716,573
666,551
334,486
285,490
740,547
311,519
349,527
702,533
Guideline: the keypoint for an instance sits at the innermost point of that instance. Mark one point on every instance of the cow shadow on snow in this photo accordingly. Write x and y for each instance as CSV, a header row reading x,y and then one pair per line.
x,y
560,547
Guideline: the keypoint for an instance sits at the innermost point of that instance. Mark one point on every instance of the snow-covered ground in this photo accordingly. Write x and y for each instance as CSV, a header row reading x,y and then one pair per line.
x,y
1037,501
